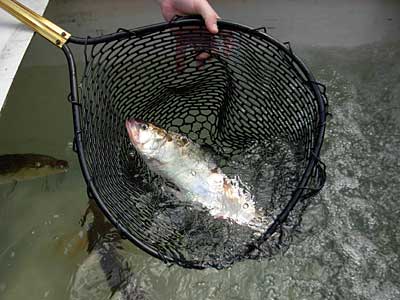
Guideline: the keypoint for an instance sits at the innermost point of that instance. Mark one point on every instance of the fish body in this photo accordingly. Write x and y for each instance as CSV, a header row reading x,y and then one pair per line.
x,y
21,167
183,162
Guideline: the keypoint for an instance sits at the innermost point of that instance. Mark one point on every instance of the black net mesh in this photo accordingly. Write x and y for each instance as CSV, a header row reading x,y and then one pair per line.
x,y
250,101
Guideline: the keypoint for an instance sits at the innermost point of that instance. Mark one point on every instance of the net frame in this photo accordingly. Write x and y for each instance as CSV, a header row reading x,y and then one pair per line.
x,y
314,171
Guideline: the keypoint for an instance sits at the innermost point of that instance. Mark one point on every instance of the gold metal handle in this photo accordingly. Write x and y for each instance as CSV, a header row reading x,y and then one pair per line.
x,y
44,27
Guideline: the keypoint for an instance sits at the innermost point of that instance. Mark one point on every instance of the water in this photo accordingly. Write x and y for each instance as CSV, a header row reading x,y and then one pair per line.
x,y
348,246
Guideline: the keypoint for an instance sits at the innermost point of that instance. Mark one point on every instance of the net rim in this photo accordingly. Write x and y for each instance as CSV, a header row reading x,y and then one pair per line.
x,y
120,34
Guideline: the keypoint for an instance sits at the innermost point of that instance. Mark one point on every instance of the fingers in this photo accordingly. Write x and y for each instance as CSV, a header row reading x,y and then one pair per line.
x,y
209,15
203,56
167,9
204,48
170,8
201,59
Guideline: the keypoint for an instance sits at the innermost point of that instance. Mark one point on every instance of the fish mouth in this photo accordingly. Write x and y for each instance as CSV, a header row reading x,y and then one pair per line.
x,y
133,127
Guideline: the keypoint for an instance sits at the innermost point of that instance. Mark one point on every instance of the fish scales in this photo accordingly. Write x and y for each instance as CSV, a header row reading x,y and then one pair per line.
x,y
182,162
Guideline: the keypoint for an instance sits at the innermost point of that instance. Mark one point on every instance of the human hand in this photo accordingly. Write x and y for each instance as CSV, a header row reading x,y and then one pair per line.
x,y
171,8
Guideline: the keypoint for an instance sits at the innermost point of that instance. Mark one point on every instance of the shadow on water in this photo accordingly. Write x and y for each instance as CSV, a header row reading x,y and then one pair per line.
x,y
348,244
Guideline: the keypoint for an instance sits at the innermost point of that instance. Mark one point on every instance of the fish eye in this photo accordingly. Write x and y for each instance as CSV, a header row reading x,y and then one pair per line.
x,y
184,139
144,126
38,164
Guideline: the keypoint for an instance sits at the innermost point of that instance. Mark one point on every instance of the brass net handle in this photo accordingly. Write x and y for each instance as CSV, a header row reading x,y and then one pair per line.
x,y
41,25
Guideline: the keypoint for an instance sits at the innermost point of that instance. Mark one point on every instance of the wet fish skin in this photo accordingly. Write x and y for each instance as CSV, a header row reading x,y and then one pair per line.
x,y
21,167
183,162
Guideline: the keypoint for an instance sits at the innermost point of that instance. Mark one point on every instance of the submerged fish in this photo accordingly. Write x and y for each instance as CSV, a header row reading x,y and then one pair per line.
x,y
184,163
105,273
20,167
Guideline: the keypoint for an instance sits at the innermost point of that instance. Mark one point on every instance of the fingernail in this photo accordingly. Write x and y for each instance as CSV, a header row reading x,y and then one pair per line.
x,y
214,28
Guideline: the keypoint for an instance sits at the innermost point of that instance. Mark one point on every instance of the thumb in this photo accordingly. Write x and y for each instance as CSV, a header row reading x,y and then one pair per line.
x,y
209,15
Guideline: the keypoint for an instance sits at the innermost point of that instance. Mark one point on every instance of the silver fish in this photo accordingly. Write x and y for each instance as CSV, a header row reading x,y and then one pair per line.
x,y
183,162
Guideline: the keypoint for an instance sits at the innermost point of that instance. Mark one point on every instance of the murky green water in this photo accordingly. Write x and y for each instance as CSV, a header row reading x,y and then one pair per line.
x,y
349,246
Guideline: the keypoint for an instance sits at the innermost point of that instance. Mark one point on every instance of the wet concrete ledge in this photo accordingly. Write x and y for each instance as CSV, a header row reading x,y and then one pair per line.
x,y
14,40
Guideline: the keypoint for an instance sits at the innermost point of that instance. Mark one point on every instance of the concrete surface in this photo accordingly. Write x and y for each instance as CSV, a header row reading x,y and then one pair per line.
x,y
14,40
